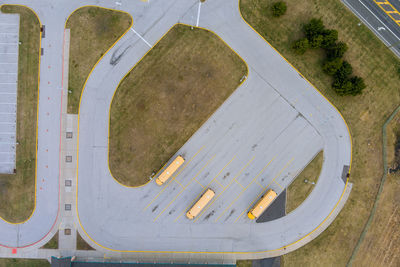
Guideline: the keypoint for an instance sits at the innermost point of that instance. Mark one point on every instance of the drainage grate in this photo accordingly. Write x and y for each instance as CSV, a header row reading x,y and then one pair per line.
x,y
67,231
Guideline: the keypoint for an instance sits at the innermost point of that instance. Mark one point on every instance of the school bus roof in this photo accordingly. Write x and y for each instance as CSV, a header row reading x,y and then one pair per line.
x,y
167,173
200,204
263,203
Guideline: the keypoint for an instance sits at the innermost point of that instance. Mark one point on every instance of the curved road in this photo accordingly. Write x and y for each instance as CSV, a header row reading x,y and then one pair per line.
x,y
268,130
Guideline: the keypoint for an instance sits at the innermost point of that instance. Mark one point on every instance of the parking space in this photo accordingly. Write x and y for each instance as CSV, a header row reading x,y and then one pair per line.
x,y
9,39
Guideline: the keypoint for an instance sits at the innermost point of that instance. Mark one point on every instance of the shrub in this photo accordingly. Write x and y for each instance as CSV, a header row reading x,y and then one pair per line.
x,y
337,50
332,66
330,38
316,41
314,28
278,9
358,85
301,46
344,71
352,86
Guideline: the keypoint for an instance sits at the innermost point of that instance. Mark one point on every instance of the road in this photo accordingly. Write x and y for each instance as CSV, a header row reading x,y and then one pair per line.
x,y
380,23
264,134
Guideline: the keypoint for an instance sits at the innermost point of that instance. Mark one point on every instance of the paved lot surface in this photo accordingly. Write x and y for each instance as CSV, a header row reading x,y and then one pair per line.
x,y
261,137
382,17
9,32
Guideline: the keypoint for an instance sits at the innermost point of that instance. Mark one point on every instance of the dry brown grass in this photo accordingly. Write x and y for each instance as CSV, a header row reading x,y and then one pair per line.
x,y
166,98
298,190
17,191
381,246
364,114
81,243
93,31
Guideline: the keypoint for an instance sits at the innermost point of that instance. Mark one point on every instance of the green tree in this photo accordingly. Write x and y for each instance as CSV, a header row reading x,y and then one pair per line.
x,y
337,50
353,86
301,46
358,85
316,41
342,87
330,38
313,28
332,66
278,9
344,71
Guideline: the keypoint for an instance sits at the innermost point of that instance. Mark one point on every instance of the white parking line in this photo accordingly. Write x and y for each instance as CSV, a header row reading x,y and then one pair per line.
x,y
141,37
198,15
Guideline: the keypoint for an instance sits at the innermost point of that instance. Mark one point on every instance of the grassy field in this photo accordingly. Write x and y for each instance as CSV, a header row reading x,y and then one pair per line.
x,y
364,114
298,190
381,246
53,243
23,263
17,191
166,98
93,31
81,244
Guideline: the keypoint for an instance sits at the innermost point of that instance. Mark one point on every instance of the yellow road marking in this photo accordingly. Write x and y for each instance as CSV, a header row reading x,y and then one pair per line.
x,y
216,180
287,164
176,180
239,183
254,180
279,185
388,12
173,178
198,183
234,178
183,188
259,184
205,186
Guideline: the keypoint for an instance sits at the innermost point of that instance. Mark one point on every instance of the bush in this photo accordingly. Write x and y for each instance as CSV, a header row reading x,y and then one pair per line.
x,y
352,86
278,9
316,41
314,28
332,66
301,46
337,50
344,71
358,85
330,38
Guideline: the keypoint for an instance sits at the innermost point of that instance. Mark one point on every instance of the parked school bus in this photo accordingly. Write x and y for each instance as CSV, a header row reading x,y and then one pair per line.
x,y
262,204
200,204
167,173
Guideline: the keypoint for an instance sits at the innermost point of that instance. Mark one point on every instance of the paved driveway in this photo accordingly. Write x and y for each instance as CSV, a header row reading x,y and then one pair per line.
x,y
261,137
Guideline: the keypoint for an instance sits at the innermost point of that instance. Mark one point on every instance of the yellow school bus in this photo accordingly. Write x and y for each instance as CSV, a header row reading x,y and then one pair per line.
x,y
200,204
167,173
262,204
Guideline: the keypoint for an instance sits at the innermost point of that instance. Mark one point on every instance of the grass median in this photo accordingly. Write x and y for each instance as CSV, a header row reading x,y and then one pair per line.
x,y
17,191
299,189
365,114
162,102
93,31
